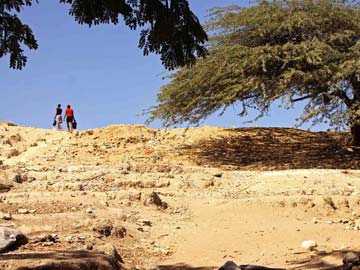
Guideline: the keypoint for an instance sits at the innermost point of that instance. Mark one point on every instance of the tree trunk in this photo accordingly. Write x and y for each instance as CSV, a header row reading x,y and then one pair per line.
x,y
355,133
355,108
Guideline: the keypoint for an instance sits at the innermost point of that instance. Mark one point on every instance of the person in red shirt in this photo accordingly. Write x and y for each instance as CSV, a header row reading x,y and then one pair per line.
x,y
69,116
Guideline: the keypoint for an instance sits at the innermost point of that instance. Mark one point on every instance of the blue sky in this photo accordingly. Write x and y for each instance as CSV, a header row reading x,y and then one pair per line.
x,y
99,71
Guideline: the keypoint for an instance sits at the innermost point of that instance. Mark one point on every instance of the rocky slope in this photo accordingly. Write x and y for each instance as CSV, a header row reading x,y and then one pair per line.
x,y
172,199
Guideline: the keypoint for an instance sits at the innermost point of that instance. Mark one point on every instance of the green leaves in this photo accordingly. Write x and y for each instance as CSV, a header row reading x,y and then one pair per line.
x,y
170,28
293,50
14,34
94,12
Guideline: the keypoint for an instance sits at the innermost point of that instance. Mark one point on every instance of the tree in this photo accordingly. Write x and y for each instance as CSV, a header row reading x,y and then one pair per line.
x,y
295,50
170,28
13,33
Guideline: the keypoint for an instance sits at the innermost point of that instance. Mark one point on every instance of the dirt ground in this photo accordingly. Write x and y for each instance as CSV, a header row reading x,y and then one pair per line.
x,y
179,199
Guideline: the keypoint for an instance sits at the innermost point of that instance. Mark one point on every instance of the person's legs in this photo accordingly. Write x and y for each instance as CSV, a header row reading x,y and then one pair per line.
x,y
69,121
59,121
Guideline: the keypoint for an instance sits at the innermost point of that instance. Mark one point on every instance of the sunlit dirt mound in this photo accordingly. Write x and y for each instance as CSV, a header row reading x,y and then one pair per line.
x,y
242,148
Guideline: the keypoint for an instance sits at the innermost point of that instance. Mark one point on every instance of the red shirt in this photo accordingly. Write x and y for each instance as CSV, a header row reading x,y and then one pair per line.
x,y
69,112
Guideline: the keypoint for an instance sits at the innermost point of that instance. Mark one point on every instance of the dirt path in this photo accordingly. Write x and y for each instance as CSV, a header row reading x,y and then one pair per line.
x,y
268,228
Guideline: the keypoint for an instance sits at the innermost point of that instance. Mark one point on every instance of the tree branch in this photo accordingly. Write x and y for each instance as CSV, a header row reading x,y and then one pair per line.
x,y
302,98
342,95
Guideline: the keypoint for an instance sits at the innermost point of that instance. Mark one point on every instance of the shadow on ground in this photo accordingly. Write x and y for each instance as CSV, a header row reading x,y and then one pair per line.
x,y
275,148
321,260
181,266
61,260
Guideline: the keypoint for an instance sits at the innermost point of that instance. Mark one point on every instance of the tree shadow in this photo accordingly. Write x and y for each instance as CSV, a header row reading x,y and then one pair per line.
x,y
321,260
62,260
275,149
78,260
182,266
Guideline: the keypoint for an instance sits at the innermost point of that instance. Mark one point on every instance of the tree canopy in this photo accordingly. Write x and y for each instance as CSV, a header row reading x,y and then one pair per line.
x,y
292,50
169,27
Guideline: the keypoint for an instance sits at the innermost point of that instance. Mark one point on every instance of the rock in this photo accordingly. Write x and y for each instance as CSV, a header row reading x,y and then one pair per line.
x,y
208,183
119,231
74,260
165,251
12,152
135,196
328,201
104,203
329,222
315,220
349,260
5,188
229,265
18,178
52,238
5,216
154,199
357,224
144,222
89,211
304,200
71,169
346,203
89,246
69,239
103,227
219,175
11,239
23,211
309,244
282,203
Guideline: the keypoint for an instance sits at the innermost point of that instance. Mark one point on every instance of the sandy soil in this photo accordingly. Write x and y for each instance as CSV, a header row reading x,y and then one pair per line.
x,y
249,195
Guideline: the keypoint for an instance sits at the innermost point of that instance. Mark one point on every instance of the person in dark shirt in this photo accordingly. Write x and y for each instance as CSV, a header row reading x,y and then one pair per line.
x,y
69,116
58,117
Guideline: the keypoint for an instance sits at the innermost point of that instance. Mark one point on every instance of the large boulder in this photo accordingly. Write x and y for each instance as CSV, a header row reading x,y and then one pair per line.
x,y
74,260
350,259
230,265
11,239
